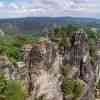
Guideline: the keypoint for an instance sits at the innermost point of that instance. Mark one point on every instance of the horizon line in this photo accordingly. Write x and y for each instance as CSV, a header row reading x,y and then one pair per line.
x,y
84,17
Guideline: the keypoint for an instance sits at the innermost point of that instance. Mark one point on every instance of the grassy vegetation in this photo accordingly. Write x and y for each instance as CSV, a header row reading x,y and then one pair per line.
x,y
11,89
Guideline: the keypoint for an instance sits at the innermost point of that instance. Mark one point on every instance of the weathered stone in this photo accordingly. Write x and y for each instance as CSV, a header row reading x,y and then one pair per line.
x,y
45,65
80,58
6,67
44,72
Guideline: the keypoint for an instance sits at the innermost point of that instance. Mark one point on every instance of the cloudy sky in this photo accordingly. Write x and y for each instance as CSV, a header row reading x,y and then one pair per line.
x,y
52,8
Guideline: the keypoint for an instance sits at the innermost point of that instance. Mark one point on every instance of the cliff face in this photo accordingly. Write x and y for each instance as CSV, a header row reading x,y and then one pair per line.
x,y
50,68
82,68
98,60
44,77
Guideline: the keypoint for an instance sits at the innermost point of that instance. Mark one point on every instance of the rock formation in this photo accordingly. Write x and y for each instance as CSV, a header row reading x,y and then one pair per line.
x,y
56,69
47,66
98,60
44,75
80,59
6,67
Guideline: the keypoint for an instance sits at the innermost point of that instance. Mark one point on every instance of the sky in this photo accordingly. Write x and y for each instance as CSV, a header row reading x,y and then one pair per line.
x,y
49,8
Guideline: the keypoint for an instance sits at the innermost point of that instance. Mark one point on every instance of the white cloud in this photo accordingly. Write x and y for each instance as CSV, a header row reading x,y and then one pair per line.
x,y
89,8
74,7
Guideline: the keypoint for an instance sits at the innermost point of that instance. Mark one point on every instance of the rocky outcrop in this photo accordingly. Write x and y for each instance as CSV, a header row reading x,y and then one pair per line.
x,y
44,75
52,70
6,67
80,59
98,60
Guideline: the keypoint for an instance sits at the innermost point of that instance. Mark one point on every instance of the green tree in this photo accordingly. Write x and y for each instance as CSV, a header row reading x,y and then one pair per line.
x,y
10,89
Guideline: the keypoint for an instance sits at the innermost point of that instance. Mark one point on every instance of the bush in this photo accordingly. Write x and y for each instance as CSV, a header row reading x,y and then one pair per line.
x,y
68,87
14,91
98,85
75,88
10,89
78,88
3,84
66,69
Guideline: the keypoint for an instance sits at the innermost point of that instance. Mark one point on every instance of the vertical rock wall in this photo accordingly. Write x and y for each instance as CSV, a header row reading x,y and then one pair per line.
x,y
44,72
81,60
45,63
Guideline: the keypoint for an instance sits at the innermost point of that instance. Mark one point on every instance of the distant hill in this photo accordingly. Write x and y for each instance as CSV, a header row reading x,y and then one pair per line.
x,y
41,24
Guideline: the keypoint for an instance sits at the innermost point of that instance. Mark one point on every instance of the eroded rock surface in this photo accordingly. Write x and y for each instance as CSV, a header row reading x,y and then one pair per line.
x,y
46,72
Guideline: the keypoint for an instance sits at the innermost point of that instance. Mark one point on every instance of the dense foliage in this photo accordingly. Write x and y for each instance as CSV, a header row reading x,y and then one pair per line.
x,y
93,33
11,45
10,89
73,88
